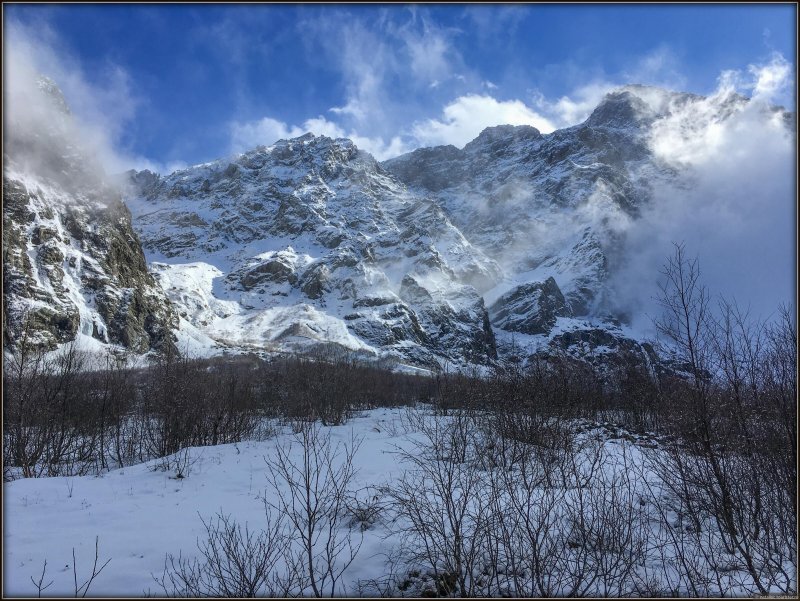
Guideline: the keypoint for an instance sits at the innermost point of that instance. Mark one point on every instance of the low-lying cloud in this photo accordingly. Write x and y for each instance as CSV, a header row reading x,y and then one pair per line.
x,y
733,204
97,115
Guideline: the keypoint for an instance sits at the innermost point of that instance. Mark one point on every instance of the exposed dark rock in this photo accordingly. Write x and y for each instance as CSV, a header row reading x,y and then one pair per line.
x,y
431,168
315,281
275,270
412,292
530,308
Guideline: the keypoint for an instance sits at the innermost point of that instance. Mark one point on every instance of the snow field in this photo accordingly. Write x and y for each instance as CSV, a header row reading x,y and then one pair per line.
x,y
416,473
140,514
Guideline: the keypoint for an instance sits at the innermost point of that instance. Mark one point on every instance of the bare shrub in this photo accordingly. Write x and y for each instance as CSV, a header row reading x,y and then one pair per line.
x,y
442,514
233,562
730,476
83,589
312,492
44,412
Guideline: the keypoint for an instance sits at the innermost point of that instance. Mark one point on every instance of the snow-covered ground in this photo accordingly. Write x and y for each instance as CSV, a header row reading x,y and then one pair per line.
x,y
140,514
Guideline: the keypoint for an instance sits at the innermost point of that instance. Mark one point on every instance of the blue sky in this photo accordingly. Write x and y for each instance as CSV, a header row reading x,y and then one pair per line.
x,y
182,84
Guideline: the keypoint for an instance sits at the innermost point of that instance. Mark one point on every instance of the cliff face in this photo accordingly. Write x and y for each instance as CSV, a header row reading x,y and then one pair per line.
x,y
72,263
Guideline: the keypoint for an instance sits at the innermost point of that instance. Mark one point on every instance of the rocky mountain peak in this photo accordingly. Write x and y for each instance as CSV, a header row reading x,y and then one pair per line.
x,y
143,181
50,90
621,108
503,134
319,151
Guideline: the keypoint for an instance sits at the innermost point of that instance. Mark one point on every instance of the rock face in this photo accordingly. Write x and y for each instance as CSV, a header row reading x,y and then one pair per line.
x,y
547,205
72,263
531,308
313,237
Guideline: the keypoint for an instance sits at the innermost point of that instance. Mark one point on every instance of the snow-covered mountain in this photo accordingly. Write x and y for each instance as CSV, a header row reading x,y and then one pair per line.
x,y
73,267
550,208
425,257
311,241
442,255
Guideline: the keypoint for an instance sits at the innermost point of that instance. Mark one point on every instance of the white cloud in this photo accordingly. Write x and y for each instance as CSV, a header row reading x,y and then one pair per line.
x,y
461,121
772,80
692,134
266,131
246,136
376,146
734,203
464,118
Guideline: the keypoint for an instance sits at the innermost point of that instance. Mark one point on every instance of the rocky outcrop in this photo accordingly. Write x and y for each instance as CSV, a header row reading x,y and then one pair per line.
x,y
605,348
531,308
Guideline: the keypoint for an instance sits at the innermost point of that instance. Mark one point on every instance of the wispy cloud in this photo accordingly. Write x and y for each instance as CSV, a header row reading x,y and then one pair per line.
x,y
405,83
573,108
101,110
464,118
734,203
659,67
364,61
490,21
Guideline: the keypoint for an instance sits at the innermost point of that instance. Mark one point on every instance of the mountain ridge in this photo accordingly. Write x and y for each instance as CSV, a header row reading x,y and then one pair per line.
x,y
439,256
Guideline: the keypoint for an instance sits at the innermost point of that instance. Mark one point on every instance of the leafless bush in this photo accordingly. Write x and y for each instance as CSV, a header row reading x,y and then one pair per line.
x,y
61,419
83,589
44,410
312,492
234,562
567,523
79,590
732,477
366,507
180,463
39,584
391,583
441,511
